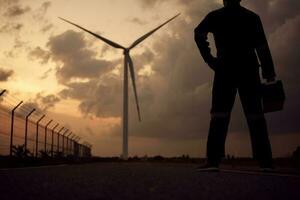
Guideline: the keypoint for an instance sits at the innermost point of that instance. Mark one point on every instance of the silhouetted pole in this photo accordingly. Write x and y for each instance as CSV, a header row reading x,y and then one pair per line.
x,y
52,138
72,144
63,141
85,149
58,138
79,145
2,92
68,139
90,150
37,135
12,127
26,127
46,130
76,150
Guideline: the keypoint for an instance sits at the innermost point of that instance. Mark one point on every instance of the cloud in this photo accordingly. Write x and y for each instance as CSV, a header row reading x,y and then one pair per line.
x,y
16,10
286,37
45,6
138,21
41,102
40,54
46,74
10,12
11,27
18,47
78,61
39,14
274,13
47,27
8,2
47,101
150,4
5,74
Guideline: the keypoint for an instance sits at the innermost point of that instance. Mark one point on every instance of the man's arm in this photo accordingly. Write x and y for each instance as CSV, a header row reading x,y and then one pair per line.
x,y
263,52
201,32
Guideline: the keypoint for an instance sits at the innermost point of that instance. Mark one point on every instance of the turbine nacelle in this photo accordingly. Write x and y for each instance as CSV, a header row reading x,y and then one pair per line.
x,y
126,51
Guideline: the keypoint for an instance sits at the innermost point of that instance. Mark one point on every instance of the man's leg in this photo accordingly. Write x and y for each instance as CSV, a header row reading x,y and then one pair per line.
x,y
223,97
251,100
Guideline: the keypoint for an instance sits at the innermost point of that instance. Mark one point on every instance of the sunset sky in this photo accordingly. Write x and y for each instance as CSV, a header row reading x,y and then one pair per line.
x,y
78,79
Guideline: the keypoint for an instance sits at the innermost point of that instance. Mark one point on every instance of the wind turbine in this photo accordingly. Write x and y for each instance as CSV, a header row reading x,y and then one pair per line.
x,y
127,64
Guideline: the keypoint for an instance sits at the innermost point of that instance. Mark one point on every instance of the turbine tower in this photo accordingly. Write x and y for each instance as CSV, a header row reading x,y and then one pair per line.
x,y
127,64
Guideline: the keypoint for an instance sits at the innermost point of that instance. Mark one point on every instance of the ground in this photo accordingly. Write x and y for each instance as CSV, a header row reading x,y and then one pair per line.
x,y
142,181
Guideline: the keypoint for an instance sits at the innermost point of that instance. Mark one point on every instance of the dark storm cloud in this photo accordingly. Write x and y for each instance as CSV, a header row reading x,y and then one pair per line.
x,y
70,49
274,13
101,98
285,44
5,74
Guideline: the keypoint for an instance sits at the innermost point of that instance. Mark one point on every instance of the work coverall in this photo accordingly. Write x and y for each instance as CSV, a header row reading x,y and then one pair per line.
x,y
239,38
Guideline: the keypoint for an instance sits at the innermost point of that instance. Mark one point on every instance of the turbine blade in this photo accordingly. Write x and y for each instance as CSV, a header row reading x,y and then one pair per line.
x,y
111,43
132,73
141,39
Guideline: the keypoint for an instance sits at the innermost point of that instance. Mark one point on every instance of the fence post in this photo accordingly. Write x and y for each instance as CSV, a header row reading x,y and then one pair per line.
x,y
72,144
63,141
58,138
46,130
3,91
26,127
77,139
68,150
12,127
52,138
90,150
37,136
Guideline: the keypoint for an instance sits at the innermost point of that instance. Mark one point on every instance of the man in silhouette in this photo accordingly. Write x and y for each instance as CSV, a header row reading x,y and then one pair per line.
x,y
239,38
